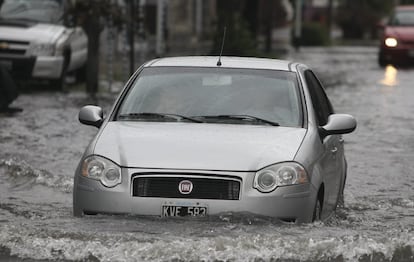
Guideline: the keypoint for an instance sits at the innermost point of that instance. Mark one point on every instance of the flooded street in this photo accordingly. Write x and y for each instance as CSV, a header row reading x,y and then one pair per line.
x,y
40,148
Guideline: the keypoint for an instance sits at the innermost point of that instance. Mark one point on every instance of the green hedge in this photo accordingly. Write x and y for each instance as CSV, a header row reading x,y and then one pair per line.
x,y
313,34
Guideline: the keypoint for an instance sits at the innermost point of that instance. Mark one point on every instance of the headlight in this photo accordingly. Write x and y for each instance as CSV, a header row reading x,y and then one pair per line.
x,y
391,42
283,174
41,49
102,169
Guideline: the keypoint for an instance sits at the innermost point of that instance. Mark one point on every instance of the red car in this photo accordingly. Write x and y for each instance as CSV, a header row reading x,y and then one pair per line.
x,y
397,42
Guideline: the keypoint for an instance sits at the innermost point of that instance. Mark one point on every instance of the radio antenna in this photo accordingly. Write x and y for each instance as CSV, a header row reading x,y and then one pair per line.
x,y
222,45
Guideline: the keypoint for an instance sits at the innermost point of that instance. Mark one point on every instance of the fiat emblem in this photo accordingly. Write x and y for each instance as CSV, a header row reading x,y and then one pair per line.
x,y
4,45
185,187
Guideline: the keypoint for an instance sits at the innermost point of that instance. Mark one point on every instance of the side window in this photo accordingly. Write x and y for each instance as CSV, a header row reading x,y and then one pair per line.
x,y
320,102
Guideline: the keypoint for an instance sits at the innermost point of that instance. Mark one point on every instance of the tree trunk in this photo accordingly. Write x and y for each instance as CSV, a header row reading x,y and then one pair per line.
x,y
92,28
329,16
269,27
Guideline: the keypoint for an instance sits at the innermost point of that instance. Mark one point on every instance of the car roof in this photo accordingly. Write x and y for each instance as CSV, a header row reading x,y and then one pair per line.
x,y
227,62
405,7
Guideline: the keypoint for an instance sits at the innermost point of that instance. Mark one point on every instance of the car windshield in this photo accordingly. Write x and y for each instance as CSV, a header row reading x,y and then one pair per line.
x,y
47,11
215,95
403,18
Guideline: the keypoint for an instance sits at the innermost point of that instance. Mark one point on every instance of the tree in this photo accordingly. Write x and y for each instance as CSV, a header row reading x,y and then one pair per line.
x,y
91,15
359,18
240,40
406,2
272,14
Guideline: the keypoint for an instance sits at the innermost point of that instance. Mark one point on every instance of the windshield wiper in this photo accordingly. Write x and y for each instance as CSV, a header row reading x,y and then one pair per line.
x,y
146,115
239,117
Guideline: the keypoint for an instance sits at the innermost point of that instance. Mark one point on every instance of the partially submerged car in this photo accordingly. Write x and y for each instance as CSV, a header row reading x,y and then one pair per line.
x,y
36,42
397,41
192,137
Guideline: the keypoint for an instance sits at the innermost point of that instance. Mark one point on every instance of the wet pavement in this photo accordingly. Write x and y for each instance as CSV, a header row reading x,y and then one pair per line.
x,y
40,148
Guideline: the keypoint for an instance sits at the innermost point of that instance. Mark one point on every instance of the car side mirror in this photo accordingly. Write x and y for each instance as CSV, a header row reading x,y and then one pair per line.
x,y
338,124
91,115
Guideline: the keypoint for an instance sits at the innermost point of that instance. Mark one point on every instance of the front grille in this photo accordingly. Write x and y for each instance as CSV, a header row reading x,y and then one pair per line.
x,y
14,42
12,51
20,67
203,188
11,47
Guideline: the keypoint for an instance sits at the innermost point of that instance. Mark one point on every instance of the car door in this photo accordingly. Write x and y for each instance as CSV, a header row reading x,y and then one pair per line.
x,y
328,161
78,42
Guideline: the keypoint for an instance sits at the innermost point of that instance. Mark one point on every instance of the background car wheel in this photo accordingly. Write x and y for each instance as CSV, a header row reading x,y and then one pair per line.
x,y
80,74
59,84
381,60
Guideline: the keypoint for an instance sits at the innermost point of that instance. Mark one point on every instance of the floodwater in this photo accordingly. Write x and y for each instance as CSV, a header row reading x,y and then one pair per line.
x,y
40,148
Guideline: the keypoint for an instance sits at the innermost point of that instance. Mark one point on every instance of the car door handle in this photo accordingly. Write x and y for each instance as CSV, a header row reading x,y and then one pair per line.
x,y
334,150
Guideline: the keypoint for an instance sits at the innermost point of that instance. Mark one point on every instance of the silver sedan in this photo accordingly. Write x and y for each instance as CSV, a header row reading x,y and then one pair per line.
x,y
192,137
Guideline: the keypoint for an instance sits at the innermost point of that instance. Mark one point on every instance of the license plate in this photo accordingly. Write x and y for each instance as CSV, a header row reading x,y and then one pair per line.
x,y
183,211
8,65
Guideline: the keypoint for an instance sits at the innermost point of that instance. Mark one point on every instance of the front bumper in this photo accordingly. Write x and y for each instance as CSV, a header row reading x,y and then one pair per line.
x,y
289,203
25,68
398,55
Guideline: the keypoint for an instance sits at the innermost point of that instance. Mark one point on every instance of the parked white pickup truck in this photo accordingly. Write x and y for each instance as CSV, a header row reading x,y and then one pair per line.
x,y
36,44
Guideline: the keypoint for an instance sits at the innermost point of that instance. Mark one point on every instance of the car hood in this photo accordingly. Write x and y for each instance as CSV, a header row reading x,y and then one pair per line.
x,y
401,32
197,146
32,32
